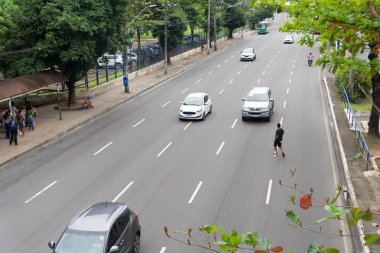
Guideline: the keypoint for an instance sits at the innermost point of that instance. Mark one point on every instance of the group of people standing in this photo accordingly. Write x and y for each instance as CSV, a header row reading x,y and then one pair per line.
x,y
15,120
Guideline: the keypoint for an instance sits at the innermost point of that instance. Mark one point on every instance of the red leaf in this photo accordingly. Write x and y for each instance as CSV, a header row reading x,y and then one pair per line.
x,y
305,201
277,249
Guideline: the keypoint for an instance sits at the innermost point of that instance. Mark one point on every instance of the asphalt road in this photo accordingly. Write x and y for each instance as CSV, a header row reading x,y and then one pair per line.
x,y
180,173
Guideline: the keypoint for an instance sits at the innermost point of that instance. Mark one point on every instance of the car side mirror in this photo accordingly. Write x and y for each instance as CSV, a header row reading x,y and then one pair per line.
x,y
271,99
51,244
114,249
243,99
181,102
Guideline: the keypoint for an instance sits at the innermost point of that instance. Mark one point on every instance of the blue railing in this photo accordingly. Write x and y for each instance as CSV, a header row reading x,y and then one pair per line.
x,y
363,147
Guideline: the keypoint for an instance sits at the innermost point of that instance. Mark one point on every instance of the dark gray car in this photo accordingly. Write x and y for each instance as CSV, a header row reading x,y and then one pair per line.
x,y
102,228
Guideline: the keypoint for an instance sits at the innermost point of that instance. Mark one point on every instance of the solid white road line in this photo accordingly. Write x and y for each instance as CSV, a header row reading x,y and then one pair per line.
x,y
285,104
122,192
163,250
165,148
184,90
210,72
40,192
195,192
239,73
258,81
281,121
233,125
198,81
100,150
221,92
187,125
162,106
287,91
138,123
231,81
268,193
220,148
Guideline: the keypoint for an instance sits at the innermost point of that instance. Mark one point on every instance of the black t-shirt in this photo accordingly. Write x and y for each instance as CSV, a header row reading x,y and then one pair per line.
x,y
279,134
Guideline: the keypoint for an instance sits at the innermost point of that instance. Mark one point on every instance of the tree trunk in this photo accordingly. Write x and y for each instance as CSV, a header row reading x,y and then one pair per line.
x,y
138,47
71,86
230,34
373,124
169,53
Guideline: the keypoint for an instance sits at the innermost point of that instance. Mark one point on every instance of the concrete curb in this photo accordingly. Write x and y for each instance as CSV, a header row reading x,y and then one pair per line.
x,y
346,169
108,109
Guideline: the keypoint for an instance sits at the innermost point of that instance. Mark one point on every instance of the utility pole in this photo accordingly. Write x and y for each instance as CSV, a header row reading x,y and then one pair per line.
x,y
166,39
215,30
208,27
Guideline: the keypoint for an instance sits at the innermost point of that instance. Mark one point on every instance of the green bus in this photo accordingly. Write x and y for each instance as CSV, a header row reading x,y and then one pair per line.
x,y
262,27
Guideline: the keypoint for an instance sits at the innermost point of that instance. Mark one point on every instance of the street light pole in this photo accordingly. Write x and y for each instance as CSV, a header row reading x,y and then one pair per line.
x,y
126,62
166,39
215,30
208,27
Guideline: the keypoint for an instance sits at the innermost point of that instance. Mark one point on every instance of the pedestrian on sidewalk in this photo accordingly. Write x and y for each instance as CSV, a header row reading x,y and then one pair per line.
x,y
14,130
278,140
30,117
7,123
21,116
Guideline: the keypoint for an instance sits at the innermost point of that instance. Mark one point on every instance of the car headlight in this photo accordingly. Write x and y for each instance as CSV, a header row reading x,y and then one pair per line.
x,y
264,109
245,108
180,110
200,110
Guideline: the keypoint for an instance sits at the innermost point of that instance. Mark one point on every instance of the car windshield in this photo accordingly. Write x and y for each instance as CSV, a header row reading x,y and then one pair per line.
x,y
247,50
193,101
257,97
74,241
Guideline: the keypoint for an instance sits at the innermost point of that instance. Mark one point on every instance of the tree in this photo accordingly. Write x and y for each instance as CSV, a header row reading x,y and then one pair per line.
x,y
64,35
259,14
176,27
354,24
194,11
232,19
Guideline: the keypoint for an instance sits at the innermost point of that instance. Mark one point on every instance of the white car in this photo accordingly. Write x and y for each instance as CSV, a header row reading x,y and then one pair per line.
x,y
195,106
288,39
248,54
110,60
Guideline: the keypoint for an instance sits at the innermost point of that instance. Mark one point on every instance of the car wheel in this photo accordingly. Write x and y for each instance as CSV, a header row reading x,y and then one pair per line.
x,y
136,244
210,109
203,116
243,118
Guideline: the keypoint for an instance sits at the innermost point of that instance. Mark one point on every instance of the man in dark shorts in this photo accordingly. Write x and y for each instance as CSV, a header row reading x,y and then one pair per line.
x,y
278,140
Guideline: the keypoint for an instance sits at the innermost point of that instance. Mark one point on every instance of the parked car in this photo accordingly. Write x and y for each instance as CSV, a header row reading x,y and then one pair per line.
x,y
102,228
248,54
288,39
110,60
258,104
195,106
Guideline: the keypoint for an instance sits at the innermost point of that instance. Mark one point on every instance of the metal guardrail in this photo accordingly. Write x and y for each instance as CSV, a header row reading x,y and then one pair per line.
x,y
363,147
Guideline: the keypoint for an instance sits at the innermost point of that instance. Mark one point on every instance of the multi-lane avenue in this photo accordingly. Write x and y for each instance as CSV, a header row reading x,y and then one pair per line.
x,y
181,173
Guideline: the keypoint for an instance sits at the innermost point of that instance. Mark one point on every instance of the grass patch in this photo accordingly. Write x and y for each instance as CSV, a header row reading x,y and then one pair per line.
x,y
364,105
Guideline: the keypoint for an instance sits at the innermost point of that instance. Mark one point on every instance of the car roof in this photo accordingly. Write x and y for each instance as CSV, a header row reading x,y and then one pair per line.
x,y
258,90
196,94
248,48
98,217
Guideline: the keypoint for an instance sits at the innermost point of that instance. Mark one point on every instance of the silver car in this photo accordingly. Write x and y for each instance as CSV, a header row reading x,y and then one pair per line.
x,y
248,54
195,106
258,104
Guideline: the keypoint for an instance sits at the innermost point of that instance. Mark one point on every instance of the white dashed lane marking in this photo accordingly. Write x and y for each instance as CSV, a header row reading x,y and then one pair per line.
x,y
187,126
162,106
122,192
165,148
198,81
220,148
210,72
233,125
184,90
138,123
195,192
258,81
285,104
231,81
269,191
221,92
239,73
287,91
40,192
100,150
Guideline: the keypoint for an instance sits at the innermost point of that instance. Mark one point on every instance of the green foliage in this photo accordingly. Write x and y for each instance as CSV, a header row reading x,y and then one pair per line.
x,y
259,14
343,74
372,239
293,217
357,215
337,213
233,18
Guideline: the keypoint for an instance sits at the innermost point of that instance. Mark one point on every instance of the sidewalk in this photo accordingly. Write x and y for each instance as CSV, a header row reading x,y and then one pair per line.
x,y
48,126
366,184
